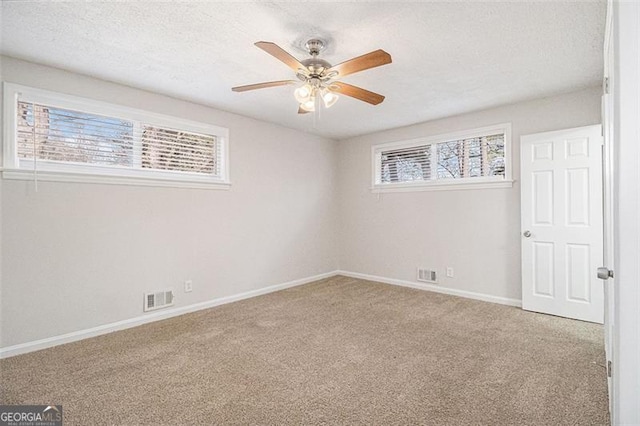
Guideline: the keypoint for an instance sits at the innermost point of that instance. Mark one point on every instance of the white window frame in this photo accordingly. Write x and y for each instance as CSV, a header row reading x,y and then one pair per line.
x,y
14,167
436,184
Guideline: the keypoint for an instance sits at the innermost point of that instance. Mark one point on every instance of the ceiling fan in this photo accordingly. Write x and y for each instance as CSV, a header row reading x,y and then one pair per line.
x,y
320,78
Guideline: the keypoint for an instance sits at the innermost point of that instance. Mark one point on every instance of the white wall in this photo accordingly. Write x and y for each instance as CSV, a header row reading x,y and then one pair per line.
x,y
477,232
77,255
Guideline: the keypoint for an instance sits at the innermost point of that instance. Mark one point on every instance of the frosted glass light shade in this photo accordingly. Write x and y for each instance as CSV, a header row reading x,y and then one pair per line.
x,y
303,93
308,105
329,98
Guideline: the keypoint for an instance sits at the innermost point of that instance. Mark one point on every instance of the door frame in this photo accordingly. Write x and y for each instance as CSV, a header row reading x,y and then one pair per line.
x,y
608,186
626,136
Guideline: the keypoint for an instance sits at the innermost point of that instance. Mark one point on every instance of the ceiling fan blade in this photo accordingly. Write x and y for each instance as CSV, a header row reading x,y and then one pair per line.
x,y
356,92
281,54
303,111
263,85
361,63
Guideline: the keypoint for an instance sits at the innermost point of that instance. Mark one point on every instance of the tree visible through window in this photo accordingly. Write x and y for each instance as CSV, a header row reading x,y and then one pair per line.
x,y
58,137
56,134
48,133
473,157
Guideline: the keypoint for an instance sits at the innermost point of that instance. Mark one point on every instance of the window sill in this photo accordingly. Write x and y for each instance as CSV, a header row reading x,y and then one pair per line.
x,y
58,176
452,186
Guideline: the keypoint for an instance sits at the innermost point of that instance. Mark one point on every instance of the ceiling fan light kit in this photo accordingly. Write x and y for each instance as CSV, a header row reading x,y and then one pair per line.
x,y
320,85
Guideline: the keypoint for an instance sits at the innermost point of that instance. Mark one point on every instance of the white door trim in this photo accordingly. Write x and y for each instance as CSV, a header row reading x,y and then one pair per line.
x,y
608,158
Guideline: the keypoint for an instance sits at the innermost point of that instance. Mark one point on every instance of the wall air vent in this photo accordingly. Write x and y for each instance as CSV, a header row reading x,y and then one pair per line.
x,y
157,300
427,275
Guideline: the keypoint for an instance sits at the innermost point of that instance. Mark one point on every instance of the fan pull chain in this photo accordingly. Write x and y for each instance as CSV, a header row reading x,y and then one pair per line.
x,y
316,109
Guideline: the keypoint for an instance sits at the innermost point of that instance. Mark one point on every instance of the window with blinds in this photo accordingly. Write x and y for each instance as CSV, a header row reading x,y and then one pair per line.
x,y
58,133
406,165
475,156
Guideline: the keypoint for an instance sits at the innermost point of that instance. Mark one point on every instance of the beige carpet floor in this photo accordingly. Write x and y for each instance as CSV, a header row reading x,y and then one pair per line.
x,y
337,351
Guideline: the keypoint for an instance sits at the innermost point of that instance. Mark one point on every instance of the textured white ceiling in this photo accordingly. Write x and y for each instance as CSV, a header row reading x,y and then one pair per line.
x,y
448,58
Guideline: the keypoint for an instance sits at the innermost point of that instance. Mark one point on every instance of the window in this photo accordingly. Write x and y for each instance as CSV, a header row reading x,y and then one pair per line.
x,y
51,136
470,159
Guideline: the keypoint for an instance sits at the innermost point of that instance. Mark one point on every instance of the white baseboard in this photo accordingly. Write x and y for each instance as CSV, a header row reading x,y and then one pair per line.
x,y
435,288
48,342
74,336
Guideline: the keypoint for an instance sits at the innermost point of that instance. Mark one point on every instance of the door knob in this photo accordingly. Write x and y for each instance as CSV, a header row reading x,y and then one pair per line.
x,y
604,273
526,234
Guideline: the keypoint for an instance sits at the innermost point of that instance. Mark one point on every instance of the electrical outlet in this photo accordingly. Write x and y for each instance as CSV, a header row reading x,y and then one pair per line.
x,y
188,286
449,272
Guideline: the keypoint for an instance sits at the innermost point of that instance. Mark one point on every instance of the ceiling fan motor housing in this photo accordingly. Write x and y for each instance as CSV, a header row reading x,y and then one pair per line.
x,y
316,65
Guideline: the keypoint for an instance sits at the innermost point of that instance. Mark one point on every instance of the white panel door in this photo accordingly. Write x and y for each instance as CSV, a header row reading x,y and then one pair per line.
x,y
562,242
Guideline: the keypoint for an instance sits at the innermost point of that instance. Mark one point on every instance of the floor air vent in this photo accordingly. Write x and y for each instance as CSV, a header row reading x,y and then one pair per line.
x,y
157,300
427,275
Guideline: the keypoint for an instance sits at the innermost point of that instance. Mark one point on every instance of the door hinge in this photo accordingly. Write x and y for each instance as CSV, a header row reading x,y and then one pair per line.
x,y
605,85
609,369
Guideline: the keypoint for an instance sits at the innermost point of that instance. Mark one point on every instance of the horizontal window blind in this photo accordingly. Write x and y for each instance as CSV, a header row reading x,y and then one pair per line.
x,y
52,134
482,156
168,149
406,165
